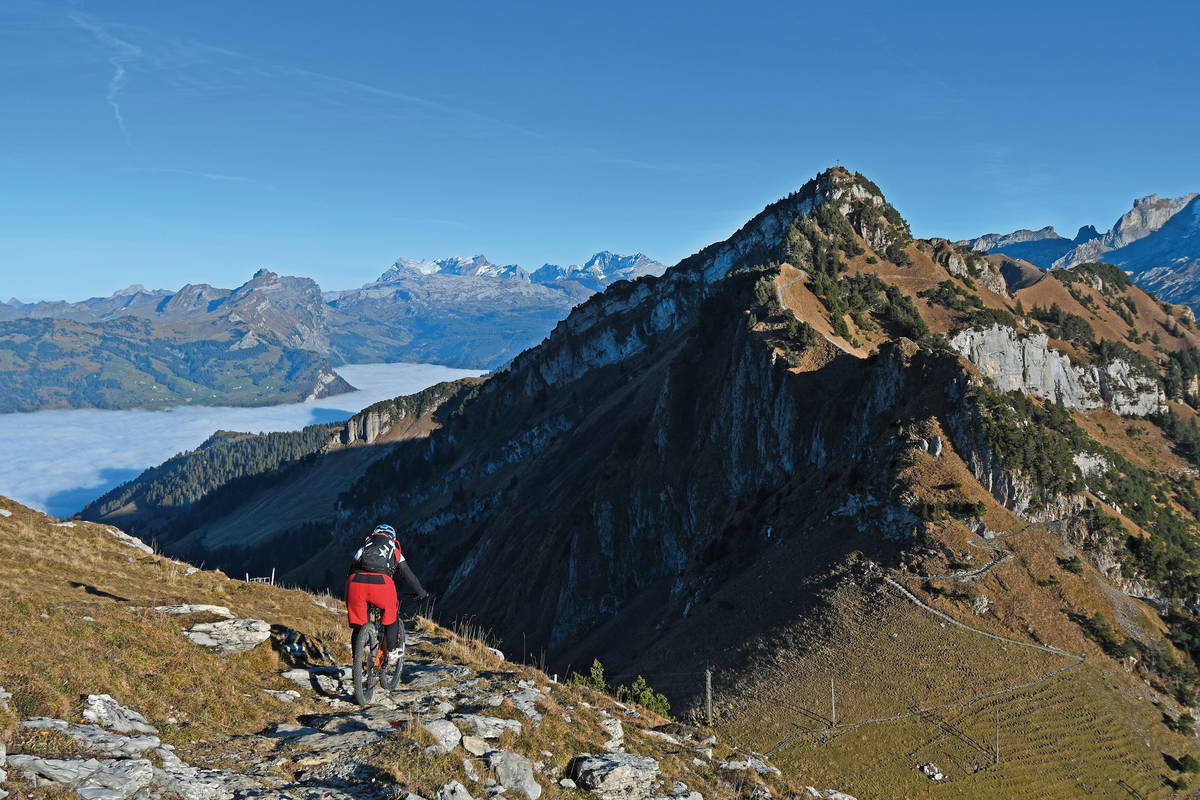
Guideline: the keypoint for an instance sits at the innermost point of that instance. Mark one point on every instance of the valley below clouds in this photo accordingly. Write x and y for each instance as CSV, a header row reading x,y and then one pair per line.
x,y
58,461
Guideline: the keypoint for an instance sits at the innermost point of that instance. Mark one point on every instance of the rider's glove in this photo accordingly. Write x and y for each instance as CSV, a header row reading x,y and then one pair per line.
x,y
423,595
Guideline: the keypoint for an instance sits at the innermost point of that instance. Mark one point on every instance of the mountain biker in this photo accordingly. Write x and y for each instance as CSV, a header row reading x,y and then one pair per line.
x,y
370,582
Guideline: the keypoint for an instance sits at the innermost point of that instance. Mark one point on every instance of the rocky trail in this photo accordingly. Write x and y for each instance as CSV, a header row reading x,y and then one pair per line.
x,y
460,731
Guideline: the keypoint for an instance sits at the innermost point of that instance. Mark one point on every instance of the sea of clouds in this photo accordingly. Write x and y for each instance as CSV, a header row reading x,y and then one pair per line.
x,y
59,461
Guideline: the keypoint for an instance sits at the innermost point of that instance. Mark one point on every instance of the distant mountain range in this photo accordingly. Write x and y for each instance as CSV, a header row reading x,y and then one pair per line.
x,y
276,338
1157,242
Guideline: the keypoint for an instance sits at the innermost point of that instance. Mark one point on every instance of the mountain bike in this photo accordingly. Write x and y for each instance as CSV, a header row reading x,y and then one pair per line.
x,y
370,662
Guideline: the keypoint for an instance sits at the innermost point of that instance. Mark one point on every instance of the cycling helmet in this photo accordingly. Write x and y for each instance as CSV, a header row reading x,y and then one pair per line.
x,y
388,529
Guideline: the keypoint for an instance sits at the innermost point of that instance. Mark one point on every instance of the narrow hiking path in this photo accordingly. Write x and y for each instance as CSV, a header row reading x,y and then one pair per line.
x,y
969,575
779,296
1076,660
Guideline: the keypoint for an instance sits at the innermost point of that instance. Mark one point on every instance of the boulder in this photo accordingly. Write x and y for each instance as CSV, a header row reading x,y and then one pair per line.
x,y
231,635
615,776
514,772
446,734
107,712
485,727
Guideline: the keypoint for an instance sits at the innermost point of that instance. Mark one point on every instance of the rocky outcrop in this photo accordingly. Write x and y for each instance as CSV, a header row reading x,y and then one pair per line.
x,y
1027,363
969,266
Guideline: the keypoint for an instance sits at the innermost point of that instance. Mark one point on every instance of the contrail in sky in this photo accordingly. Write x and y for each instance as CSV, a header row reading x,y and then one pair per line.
x,y
123,52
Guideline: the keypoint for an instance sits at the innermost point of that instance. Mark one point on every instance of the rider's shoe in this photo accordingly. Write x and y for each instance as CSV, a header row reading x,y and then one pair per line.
x,y
393,656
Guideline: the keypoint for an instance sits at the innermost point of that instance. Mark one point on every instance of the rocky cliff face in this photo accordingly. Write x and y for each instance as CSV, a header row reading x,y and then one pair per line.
x,y
1148,215
1027,363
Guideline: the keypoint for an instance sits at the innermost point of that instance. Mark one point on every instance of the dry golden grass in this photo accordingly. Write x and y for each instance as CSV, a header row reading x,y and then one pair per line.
x,y
74,620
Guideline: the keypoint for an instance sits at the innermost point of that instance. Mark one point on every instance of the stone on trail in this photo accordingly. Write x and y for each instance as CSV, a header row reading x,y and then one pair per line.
x,y
615,776
102,710
421,676
453,791
231,635
514,771
486,727
469,771
446,734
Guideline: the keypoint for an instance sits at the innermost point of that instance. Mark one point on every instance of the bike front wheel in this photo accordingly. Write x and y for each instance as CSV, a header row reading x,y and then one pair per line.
x,y
366,645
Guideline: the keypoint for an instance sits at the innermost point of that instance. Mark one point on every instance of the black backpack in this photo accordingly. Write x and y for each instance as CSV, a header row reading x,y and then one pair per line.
x,y
378,554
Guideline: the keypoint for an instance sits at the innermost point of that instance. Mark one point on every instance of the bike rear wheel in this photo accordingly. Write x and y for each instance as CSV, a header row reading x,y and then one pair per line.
x,y
391,675
365,645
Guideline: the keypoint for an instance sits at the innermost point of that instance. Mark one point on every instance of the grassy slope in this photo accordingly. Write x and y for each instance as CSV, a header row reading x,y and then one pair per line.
x,y
53,658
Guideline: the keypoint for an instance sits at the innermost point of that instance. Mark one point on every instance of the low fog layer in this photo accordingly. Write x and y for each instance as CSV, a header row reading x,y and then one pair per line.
x,y
59,461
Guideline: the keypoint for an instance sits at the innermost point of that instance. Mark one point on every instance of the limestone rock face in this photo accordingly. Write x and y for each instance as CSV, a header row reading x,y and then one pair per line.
x,y
1028,364
231,635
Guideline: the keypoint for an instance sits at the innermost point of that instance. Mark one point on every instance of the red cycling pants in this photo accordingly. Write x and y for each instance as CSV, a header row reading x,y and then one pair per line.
x,y
377,589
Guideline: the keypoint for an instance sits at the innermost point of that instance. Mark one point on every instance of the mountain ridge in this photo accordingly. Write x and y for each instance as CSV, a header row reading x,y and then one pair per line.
x,y
725,465
463,312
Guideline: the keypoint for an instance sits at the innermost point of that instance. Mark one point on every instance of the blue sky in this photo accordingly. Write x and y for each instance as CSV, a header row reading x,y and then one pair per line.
x,y
165,143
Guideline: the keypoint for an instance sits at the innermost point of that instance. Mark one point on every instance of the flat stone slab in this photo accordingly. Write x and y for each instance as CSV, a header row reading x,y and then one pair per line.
x,y
231,635
97,740
195,608
420,675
